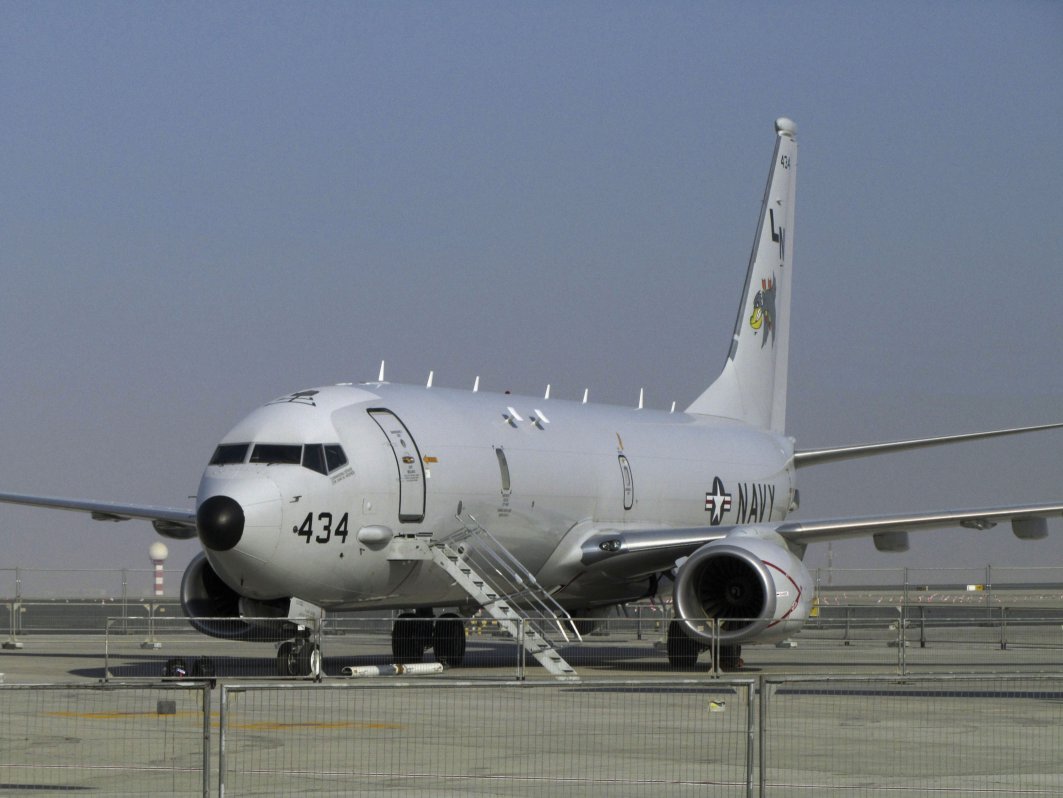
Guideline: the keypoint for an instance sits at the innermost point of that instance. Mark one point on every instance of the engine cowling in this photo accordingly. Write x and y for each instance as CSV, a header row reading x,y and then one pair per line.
x,y
749,583
215,609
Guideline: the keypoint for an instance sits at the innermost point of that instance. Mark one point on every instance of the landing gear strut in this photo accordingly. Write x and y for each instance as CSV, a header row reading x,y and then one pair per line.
x,y
299,657
415,633
683,651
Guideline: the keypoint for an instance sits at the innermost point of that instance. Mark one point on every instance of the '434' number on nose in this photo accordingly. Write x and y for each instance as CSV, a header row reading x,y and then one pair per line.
x,y
325,526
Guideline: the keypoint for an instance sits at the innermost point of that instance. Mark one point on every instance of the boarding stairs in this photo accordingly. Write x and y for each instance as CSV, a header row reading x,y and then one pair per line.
x,y
507,591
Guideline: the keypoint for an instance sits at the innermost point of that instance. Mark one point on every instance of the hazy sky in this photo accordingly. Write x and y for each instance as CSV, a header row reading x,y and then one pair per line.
x,y
205,206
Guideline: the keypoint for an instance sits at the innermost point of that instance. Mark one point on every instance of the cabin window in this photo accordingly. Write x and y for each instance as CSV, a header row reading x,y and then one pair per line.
x,y
230,454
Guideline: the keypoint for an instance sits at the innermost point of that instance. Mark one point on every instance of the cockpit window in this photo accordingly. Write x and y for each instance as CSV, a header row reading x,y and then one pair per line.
x,y
276,454
334,456
314,458
324,458
230,453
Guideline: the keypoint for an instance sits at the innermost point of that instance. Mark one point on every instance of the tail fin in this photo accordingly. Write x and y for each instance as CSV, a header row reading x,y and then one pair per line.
x,y
752,386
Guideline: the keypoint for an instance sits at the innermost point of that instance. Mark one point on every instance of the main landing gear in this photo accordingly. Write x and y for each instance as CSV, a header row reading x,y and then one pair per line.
x,y
299,657
415,633
683,651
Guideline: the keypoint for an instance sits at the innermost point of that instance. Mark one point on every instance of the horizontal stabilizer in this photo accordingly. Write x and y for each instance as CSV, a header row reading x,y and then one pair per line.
x,y
816,456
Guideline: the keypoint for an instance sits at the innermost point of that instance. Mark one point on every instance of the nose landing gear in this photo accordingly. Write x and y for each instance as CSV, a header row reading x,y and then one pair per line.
x,y
299,657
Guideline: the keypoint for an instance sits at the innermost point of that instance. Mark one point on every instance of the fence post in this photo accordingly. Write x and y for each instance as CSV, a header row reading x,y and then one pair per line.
x,y
107,649
12,642
901,642
125,599
223,712
714,648
989,592
762,686
520,650
205,703
750,730
904,600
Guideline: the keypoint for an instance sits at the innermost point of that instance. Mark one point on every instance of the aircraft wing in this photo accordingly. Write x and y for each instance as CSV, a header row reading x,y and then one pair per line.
x,y
647,550
169,522
1025,519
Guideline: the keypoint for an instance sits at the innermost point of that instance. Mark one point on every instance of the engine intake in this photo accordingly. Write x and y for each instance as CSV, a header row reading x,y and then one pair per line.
x,y
749,584
214,608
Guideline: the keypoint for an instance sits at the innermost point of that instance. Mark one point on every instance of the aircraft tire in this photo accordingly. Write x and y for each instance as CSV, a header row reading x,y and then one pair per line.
x,y
682,649
730,658
308,660
286,659
409,638
448,639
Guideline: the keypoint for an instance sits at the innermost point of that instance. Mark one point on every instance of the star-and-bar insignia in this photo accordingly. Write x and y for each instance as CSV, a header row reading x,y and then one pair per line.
x,y
718,502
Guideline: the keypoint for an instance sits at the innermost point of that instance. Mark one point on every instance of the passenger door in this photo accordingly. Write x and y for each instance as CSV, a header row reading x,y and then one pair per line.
x,y
408,462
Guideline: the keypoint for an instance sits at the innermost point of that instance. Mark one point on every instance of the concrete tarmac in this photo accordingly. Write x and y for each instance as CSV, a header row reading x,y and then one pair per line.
x,y
967,717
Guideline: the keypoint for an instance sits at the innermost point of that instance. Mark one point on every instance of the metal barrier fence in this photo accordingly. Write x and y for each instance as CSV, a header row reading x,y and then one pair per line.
x,y
863,640
110,740
784,736
870,737
454,739
881,737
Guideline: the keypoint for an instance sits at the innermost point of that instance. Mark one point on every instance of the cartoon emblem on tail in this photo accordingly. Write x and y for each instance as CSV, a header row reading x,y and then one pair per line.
x,y
764,311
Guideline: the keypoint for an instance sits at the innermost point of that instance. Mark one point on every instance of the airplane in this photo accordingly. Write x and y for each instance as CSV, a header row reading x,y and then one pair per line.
x,y
342,498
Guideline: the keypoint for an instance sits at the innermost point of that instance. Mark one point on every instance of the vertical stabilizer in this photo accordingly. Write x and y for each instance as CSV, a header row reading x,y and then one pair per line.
x,y
752,386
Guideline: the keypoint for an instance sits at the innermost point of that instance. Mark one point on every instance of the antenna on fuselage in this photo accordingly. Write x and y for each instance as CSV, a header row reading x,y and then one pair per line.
x,y
642,393
431,374
380,376
673,408
586,393
547,396
476,384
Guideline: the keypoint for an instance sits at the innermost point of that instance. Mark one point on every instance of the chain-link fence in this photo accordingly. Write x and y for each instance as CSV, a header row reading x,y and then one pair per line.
x,y
106,740
864,640
871,737
881,737
649,738
875,737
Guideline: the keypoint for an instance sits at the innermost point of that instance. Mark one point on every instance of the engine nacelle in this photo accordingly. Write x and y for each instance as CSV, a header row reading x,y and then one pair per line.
x,y
749,583
215,609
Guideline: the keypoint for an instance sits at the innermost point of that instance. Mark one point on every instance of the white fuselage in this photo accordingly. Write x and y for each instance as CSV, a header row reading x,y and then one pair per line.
x,y
540,474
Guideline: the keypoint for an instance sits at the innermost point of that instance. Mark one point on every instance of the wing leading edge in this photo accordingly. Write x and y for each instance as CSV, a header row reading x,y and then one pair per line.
x,y
806,457
169,522
647,550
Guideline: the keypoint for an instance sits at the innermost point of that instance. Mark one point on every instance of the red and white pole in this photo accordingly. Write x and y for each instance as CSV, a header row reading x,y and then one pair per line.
x,y
158,553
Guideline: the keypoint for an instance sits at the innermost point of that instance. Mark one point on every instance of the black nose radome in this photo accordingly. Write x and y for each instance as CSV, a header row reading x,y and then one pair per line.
x,y
220,521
